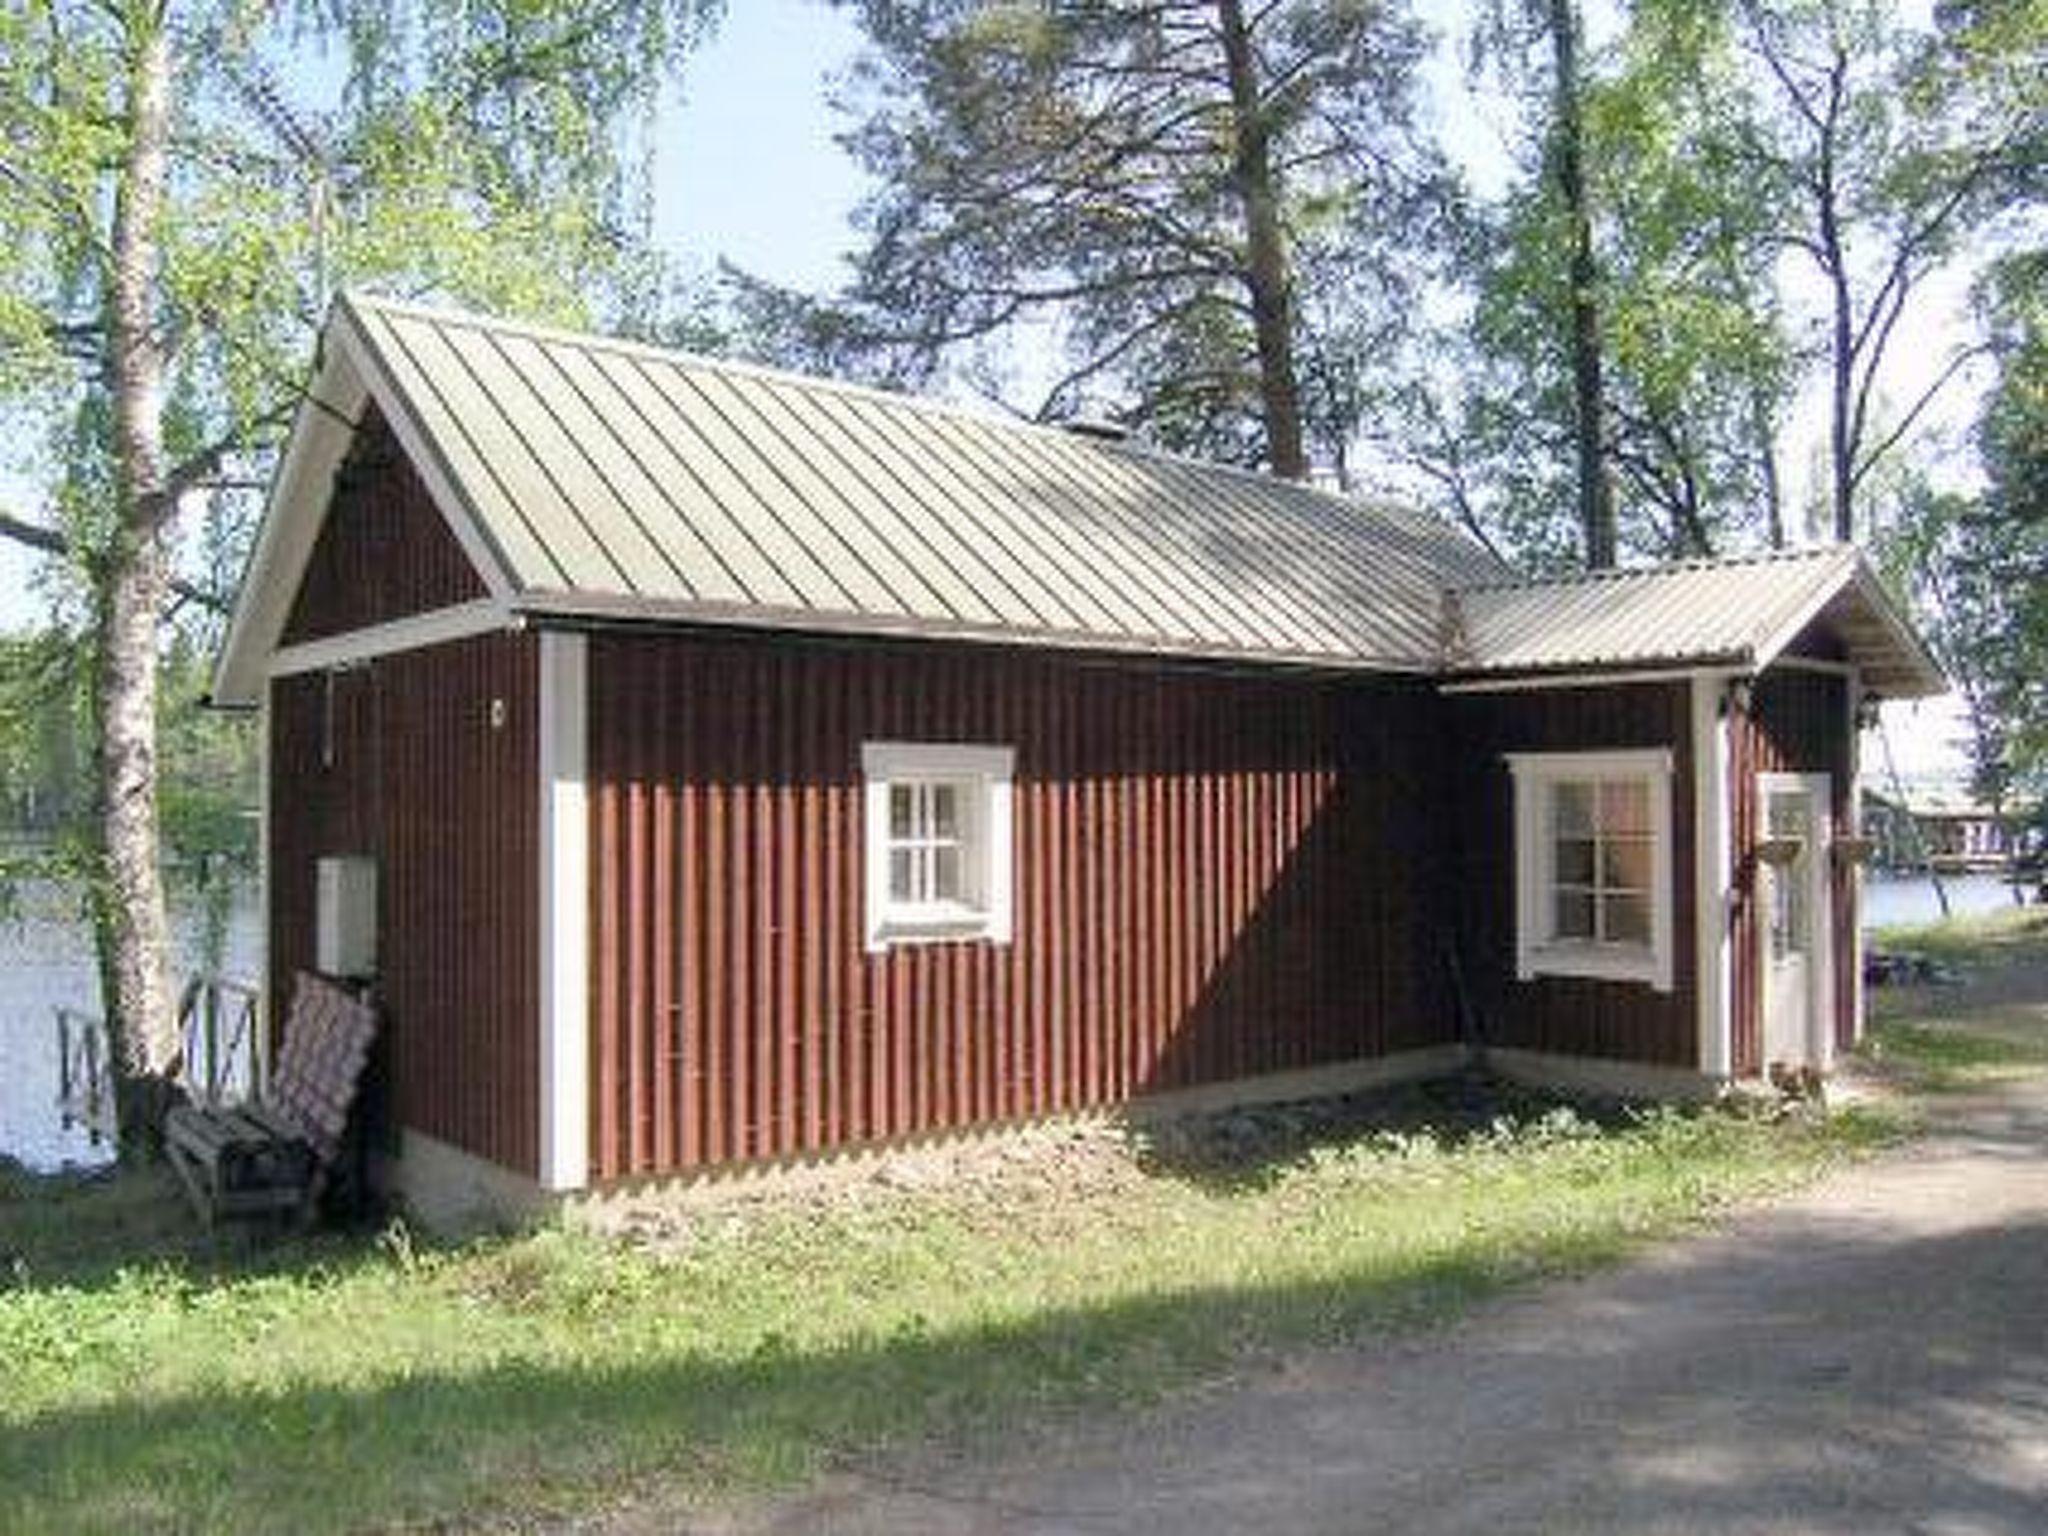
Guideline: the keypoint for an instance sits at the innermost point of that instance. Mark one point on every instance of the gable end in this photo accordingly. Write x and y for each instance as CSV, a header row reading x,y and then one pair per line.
x,y
384,551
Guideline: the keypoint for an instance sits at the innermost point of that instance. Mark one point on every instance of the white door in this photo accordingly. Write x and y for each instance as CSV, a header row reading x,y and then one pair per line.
x,y
1795,922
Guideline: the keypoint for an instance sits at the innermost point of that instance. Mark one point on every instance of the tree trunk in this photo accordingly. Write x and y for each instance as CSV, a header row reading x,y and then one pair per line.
x,y
1265,275
132,581
1842,327
1596,491
1761,430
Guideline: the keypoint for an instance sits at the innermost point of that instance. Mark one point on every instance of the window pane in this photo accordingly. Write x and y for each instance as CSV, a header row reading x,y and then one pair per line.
x,y
1625,864
901,868
946,882
900,812
1625,806
1574,861
1788,815
1571,809
945,810
1574,915
1627,918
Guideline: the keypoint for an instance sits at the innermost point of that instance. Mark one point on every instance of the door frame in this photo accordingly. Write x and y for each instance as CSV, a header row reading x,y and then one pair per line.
x,y
1821,981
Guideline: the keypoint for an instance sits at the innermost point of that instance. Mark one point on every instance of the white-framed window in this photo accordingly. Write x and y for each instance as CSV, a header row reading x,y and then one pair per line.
x,y
1593,882
937,836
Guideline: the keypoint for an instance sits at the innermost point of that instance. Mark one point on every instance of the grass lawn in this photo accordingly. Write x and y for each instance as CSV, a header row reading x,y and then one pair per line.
x,y
155,1381
1986,1026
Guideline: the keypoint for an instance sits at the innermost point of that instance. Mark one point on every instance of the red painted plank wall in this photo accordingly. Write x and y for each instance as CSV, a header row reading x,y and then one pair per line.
x,y
1218,875
384,551
1575,1016
1797,723
417,771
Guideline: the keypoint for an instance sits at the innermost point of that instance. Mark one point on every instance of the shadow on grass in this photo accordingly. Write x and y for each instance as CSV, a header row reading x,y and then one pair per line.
x,y
528,1439
85,1230
1253,1149
534,1437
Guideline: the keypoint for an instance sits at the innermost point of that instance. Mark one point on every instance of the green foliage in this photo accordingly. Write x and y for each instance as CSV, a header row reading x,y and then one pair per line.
x,y
1976,565
41,774
1696,362
209,774
488,153
1070,173
339,1385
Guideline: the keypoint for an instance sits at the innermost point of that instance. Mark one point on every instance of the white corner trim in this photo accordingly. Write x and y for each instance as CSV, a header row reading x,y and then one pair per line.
x,y
1853,697
992,769
1534,773
1711,876
266,1005
437,626
564,914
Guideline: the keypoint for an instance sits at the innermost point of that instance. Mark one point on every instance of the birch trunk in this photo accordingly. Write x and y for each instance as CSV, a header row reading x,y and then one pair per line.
x,y
133,580
1596,491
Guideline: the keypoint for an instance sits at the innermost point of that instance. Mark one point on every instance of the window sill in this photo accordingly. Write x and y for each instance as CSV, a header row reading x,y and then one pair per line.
x,y
1594,963
926,926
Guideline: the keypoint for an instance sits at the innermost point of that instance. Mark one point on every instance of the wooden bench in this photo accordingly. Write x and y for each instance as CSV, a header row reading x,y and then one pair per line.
x,y
275,1156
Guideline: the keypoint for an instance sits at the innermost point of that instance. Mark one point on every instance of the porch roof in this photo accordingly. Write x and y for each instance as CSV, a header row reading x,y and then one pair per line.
x,y
1741,613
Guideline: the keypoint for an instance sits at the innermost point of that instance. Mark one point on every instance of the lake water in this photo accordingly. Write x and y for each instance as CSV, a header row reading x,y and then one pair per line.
x,y
46,961
1894,899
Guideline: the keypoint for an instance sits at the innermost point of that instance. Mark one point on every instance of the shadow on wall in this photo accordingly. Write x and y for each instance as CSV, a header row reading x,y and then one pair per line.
x,y
1334,955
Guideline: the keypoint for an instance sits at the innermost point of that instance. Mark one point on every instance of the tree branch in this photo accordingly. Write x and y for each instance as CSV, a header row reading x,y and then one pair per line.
x,y
52,541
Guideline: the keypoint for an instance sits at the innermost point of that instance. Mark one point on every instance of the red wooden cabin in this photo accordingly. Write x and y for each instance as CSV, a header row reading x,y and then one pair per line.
x,y
714,765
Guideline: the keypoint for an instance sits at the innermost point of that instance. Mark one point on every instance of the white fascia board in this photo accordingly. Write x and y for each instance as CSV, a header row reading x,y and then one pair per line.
x,y
437,626
1854,572
1544,682
1711,874
322,430
1835,575
564,913
348,378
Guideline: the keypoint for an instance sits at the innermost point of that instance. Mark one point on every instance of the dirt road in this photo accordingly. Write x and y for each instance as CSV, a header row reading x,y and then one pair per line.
x,y
1869,1356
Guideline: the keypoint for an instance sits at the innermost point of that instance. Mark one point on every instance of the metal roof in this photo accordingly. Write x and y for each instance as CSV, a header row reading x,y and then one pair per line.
x,y
601,479
611,478
1738,612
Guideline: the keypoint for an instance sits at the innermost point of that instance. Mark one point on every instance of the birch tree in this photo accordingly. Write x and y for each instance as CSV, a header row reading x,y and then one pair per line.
x,y
184,183
1885,148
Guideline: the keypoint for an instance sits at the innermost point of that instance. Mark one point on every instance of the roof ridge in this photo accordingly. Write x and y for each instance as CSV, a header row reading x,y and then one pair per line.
x,y
1814,553
900,399
458,314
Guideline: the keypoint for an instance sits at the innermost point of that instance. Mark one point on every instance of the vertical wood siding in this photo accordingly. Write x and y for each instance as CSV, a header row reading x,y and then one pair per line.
x,y
1577,1016
1797,723
384,552
1217,875
447,803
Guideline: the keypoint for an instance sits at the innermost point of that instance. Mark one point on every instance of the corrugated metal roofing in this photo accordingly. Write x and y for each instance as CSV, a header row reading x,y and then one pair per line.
x,y
588,477
1741,612
611,477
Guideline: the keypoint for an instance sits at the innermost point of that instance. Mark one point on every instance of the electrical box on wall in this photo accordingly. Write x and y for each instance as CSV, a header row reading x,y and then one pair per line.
x,y
345,930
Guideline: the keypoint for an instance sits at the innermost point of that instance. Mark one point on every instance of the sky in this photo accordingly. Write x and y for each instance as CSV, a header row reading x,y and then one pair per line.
x,y
747,170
